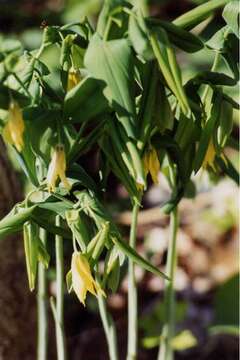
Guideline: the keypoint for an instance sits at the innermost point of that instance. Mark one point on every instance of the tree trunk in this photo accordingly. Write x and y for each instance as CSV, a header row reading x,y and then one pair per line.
x,y
17,304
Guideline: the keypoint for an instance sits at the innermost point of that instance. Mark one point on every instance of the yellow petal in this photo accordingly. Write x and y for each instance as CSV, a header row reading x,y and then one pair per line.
x,y
7,134
82,278
209,156
154,165
14,128
73,78
57,168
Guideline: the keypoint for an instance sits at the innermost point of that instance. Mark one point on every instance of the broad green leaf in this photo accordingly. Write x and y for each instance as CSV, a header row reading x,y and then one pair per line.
x,y
14,221
112,62
231,14
138,35
76,171
85,101
218,40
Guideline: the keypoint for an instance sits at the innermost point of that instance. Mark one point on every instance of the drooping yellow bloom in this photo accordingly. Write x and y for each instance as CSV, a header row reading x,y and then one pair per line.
x,y
57,168
82,279
209,156
74,78
14,129
151,164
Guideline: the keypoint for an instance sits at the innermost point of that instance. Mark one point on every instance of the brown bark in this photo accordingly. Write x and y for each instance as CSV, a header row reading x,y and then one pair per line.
x,y
17,304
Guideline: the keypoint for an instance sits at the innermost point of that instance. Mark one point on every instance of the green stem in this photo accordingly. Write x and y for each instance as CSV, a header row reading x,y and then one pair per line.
x,y
132,292
42,306
165,350
60,335
109,328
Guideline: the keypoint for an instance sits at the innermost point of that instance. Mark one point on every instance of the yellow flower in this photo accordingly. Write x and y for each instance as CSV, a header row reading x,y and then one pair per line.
x,y
209,156
14,129
151,164
57,168
74,78
82,279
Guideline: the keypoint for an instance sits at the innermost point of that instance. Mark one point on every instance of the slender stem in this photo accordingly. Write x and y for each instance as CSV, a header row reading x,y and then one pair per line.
x,y
132,292
109,328
59,321
42,306
165,350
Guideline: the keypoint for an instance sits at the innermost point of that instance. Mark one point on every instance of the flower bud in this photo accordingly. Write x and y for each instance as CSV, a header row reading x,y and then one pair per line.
x,y
57,169
74,78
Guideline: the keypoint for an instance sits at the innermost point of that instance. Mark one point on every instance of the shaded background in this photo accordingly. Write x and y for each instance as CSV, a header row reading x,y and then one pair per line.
x,y
206,279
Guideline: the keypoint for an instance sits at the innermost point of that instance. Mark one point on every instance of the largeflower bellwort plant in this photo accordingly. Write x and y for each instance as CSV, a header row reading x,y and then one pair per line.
x,y
121,91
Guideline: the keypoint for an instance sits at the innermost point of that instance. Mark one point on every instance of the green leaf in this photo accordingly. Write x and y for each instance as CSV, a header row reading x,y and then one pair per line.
x,y
112,20
225,123
231,15
207,132
114,276
43,255
167,62
114,66
78,227
134,256
177,36
85,101
17,96
30,237
138,35
197,15
227,167
213,78
14,221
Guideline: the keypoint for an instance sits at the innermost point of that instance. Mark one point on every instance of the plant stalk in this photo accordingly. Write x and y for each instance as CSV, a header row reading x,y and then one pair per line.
x,y
42,342
132,292
165,350
59,320
109,328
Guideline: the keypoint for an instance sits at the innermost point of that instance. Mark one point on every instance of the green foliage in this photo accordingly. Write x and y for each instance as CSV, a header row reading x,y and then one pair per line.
x,y
116,87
